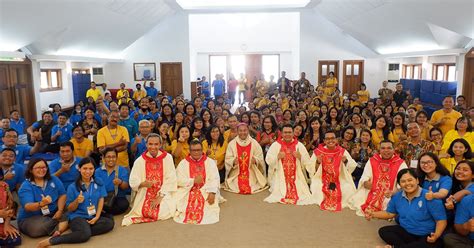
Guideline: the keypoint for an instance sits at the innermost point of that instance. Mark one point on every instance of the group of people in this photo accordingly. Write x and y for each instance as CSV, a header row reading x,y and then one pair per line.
x,y
154,157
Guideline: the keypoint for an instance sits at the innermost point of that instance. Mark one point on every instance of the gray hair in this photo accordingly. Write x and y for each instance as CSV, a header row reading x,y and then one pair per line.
x,y
154,135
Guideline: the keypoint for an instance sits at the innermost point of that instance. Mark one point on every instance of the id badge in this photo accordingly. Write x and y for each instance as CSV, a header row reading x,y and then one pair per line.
x,y
45,210
91,210
1,221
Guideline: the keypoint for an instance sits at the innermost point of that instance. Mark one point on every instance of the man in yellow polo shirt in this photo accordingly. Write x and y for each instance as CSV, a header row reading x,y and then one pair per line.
x,y
114,136
446,117
93,92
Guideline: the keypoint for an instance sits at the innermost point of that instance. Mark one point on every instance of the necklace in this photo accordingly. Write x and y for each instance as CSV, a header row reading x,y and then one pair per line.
x,y
113,135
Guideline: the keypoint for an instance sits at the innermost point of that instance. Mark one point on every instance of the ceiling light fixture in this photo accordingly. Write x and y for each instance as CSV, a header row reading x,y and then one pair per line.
x,y
219,4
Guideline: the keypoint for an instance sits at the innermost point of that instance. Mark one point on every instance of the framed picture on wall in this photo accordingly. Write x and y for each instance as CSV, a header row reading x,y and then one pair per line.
x,y
144,71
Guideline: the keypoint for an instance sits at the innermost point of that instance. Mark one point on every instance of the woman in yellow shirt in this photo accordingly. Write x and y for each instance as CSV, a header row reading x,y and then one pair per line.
x,y
462,130
83,147
363,93
458,150
331,84
399,128
215,147
381,131
180,146
422,120
436,137
163,130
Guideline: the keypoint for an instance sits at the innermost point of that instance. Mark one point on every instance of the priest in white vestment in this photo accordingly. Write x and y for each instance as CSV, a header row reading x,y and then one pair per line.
x,y
287,160
378,181
198,188
153,179
244,164
330,172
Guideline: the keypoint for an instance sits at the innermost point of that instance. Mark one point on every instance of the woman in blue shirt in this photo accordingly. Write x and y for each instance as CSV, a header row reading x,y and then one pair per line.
x,y
422,222
85,200
463,178
115,180
42,202
433,176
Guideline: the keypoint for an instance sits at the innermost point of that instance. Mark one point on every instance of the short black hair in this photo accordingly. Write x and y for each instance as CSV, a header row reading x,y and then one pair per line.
x,y
8,149
411,171
67,143
9,130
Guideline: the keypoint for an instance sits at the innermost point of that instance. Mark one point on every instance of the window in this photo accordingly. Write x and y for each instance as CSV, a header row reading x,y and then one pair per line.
x,y
412,71
445,72
270,66
51,80
80,71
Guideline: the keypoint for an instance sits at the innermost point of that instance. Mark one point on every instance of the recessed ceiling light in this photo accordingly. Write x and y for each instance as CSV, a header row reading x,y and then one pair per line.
x,y
217,4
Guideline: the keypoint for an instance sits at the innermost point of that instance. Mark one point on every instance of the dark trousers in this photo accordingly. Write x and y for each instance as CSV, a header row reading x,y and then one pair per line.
x,y
454,240
81,231
119,206
38,226
231,97
222,175
399,237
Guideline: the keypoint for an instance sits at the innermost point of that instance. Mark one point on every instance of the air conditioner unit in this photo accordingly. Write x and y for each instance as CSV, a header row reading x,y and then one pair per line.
x,y
97,71
98,75
393,75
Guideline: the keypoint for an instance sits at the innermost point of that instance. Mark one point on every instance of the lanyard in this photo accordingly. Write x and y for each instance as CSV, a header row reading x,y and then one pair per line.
x,y
89,192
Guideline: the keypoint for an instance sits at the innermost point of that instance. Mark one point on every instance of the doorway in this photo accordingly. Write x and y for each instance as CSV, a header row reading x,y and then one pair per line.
x,y
16,90
325,67
353,76
468,82
172,78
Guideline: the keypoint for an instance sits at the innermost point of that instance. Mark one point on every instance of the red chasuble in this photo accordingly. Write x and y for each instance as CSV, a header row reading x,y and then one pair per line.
x,y
384,173
331,163
243,154
195,208
154,173
289,169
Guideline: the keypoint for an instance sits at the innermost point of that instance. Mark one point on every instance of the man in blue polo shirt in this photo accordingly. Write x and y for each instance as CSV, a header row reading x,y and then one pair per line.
x,y
10,140
62,131
151,91
17,123
218,85
463,224
125,121
13,174
66,166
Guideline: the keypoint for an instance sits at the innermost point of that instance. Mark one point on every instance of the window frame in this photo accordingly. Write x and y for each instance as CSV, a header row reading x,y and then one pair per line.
x,y
446,66
48,75
412,71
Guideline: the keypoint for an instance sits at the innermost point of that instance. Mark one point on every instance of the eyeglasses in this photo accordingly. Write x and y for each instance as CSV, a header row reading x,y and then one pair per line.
x,y
40,168
11,136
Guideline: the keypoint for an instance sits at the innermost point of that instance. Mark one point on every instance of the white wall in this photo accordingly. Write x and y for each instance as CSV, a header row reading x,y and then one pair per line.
x,y
244,33
63,96
167,42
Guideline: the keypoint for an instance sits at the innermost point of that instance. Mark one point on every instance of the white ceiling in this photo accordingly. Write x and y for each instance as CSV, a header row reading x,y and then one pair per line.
x,y
104,28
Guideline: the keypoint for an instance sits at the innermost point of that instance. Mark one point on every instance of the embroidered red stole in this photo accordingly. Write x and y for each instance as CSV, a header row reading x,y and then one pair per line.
x,y
331,163
289,169
4,192
195,208
243,155
384,173
154,172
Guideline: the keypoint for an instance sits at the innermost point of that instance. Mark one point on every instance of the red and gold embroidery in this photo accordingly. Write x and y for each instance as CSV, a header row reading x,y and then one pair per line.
x,y
154,173
289,170
243,180
196,201
331,163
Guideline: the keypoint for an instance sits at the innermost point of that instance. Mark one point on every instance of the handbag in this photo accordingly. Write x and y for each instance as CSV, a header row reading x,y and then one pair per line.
x,y
111,196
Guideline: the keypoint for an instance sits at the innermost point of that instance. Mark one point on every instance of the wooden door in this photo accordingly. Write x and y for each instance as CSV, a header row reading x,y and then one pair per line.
x,y
16,90
353,75
253,67
468,82
326,66
172,78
